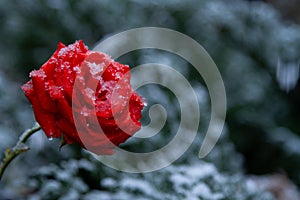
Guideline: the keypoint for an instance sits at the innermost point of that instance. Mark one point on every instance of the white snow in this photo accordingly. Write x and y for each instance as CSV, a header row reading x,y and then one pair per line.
x,y
108,182
139,185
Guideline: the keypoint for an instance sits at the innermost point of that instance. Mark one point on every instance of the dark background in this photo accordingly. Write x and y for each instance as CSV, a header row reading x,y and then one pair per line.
x,y
255,44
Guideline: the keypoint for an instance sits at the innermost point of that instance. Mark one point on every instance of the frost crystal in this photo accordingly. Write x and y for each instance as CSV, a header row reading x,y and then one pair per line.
x,y
90,93
84,111
96,68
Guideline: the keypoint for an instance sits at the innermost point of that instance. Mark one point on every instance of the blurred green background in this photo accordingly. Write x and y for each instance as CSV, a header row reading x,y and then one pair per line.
x,y
256,46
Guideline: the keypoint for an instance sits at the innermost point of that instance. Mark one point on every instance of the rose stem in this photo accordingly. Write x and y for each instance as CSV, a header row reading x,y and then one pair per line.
x,y
19,148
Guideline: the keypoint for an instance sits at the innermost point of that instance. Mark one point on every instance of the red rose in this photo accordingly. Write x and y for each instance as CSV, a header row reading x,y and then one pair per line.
x,y
86,97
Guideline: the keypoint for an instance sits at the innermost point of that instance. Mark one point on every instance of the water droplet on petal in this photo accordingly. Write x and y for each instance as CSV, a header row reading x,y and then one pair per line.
x,y
77,69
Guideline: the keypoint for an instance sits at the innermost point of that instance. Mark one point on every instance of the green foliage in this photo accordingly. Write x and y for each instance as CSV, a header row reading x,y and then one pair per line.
x,y
71,180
